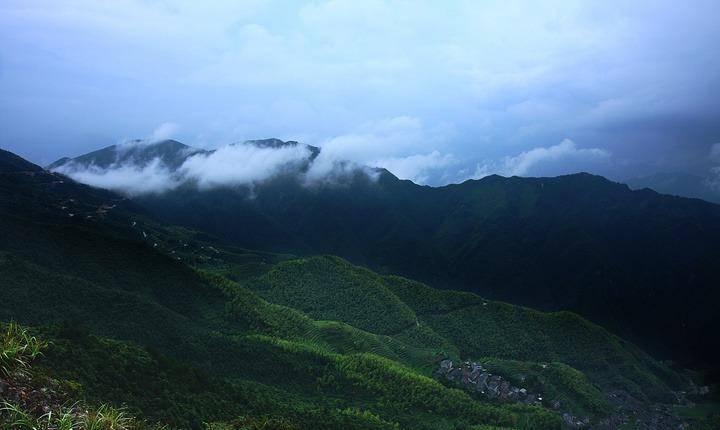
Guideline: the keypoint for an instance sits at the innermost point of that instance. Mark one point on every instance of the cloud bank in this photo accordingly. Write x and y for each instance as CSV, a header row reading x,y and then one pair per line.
x,y
374,144
129,179
231,165
403,145
242,164
139,166
248,164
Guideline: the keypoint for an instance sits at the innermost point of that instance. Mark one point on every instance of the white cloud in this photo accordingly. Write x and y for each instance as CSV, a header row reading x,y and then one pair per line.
x,y
231,165
530,162
164,131
401,144
241,164
415,167
128,179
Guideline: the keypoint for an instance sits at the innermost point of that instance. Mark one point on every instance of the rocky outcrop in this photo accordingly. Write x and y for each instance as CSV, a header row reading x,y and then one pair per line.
x,y
37,399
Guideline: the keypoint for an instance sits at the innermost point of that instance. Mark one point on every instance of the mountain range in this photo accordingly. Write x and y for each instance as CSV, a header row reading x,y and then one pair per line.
x,y
643,264
185,330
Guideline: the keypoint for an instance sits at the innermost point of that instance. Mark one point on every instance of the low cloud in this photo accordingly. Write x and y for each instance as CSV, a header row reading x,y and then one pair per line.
x,y
164,131
541,160
415,167
242,164
403,145
381,143
129,179
231,165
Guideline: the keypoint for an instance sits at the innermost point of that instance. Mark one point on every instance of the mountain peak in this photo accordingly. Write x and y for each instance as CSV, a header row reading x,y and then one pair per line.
x,y
275,143
270,143
138,152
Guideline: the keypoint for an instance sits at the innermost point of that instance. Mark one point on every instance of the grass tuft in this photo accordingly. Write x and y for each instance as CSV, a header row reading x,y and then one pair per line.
x,y
107,418
18,349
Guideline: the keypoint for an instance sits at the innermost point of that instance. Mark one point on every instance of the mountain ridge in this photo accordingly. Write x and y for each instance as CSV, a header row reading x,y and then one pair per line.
x,y
575,242
679,184
170,152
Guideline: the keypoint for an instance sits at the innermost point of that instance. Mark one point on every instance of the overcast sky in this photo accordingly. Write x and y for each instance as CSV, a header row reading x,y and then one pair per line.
x,y
435,91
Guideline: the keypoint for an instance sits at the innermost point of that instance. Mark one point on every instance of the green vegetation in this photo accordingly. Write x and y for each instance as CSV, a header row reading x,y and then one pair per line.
x,y
641,264
161,389
18,349
29,406
464,325
317,361
556,381
168,326
488,328
330,288
297,369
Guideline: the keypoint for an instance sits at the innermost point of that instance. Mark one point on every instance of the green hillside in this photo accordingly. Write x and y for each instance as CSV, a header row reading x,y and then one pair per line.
x,y
98,275
329,288
468,325
513,332
186,332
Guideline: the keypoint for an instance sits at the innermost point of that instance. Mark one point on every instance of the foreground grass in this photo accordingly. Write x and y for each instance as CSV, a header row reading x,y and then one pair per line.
x,y
18,350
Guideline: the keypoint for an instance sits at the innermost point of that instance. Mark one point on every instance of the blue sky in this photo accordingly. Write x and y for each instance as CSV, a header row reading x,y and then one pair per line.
x,y
436,91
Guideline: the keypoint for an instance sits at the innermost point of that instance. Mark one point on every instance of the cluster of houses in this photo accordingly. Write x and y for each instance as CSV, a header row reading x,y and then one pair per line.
x,y
474,378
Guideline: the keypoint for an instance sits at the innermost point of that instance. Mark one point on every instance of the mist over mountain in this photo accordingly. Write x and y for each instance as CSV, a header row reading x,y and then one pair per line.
x,y
637,261
140,167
